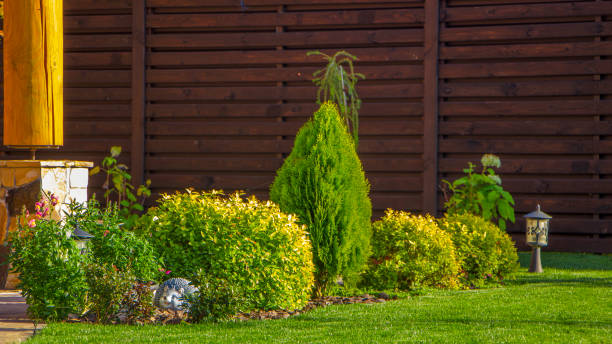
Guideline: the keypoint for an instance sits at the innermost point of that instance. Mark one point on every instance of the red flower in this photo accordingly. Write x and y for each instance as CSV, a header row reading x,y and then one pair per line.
x,y
106,232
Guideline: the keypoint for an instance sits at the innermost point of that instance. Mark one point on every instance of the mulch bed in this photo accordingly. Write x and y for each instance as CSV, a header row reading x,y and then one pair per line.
x,y
166,317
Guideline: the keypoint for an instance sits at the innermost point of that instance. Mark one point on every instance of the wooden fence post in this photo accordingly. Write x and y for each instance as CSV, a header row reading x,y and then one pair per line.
x,y
430,105
138,90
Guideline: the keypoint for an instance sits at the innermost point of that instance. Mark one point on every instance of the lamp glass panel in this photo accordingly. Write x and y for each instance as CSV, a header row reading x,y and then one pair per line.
x,y
543,228
532,229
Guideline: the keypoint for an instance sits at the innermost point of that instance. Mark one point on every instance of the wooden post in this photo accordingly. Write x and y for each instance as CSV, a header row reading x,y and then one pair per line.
x,y
33,73
138,90
430,105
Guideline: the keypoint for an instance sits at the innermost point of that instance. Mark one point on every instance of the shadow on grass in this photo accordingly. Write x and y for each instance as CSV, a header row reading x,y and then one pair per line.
x,y
571,282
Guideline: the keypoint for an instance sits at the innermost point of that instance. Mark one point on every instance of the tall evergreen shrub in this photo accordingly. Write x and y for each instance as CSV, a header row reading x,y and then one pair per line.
x,y
322,181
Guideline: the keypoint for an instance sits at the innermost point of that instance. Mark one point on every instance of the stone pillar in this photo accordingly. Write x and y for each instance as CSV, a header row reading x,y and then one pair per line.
x,y
21,183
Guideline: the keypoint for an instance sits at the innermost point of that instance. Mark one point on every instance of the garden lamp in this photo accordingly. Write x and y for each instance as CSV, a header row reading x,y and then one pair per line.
x,y
537,236
81,237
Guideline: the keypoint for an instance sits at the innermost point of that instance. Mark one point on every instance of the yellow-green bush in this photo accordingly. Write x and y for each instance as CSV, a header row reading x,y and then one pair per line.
x,y
410,252
249,244
486,252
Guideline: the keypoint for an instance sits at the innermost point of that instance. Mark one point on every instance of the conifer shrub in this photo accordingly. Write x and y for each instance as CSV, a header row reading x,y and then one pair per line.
x,y
249,245
487,253
322,181
410,252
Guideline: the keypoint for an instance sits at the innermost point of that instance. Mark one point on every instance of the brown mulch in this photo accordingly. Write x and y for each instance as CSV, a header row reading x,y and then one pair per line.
x,y
166,317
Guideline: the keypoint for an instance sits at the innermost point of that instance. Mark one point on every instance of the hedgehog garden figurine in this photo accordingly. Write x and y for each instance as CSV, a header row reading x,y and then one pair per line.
x,y
169,294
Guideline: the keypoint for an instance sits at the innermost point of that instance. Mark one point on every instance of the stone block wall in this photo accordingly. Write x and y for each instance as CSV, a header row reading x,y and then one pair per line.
x,y
21,183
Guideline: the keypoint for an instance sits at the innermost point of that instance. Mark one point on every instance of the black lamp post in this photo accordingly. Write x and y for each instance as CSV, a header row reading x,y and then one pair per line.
x,y
81,237
537,236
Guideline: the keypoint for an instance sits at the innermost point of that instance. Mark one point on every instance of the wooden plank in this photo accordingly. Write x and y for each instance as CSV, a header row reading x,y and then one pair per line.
x,y
525,31
398,202
272,74
274,110
257,182
512,146
261,164
254,19
81,5
513,88
570,243
521,107
106,94
99,111
565,205
430,106
269,128
102,60
318,39
97,77
139,82
260,93
550,186
542,165
249,57
523,11
113,22
513,51
239,4
367,146
513,69
73,43
97,128
526,128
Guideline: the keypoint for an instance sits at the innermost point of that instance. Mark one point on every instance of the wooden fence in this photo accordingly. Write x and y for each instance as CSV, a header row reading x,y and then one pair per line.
x,y
210,94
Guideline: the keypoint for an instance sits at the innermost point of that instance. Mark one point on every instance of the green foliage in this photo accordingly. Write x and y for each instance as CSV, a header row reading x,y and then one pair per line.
x,y
411,252
112,245
214,301
118,182
322,181
481,193
338,86
250,244
487,253
49,265
107,288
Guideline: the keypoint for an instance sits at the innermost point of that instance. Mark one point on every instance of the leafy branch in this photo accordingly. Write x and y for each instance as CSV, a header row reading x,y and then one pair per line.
x,y
337,85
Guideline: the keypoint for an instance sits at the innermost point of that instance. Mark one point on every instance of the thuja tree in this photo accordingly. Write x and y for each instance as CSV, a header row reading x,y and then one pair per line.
x,y
322,181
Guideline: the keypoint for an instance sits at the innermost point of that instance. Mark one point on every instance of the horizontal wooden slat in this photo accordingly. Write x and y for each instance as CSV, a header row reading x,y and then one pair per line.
x,y
274,110
255,182
544,186
266,164
96,110
513,69
517,107
272,92
270,128
288,39
565,205
90,22
570,243
522,11
97,128
96,93
525,88
385,201
273,146
97,42
239,3
100,60
525,32
367,17
523,128
81,5
273,56
526,50
537,166
530,146
89,77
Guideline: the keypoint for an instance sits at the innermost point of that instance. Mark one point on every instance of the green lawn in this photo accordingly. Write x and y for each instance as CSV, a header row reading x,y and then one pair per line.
x,y
571,302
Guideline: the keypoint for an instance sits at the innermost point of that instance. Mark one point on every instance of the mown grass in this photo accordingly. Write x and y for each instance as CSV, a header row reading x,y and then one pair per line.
x,y
571,302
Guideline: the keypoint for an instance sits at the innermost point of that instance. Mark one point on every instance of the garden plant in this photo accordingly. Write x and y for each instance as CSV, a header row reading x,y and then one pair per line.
x,y
323,183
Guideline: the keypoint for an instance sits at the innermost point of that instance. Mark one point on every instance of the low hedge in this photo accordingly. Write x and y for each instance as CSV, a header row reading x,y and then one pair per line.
x,y
410,252
248,244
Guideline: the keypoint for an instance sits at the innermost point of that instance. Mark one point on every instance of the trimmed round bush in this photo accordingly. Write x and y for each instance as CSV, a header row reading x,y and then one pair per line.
x,y
411,252
323,183
248,244
487,253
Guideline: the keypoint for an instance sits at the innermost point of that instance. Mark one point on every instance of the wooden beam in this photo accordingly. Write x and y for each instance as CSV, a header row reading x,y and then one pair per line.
x,y
138,90
430,106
